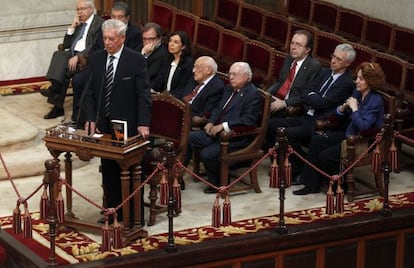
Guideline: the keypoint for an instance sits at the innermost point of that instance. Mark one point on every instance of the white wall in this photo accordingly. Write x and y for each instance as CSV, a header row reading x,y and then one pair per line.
x,y
399,12
30,31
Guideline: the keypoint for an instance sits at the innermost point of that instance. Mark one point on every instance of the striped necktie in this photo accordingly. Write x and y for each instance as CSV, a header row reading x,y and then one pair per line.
x,y
109,80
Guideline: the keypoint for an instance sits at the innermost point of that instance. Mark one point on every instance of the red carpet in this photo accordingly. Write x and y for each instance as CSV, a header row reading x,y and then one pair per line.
x,y
75,247
20,86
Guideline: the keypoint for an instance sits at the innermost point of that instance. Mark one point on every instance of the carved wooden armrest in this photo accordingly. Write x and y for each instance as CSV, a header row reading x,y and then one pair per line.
x,y
198,122
295,110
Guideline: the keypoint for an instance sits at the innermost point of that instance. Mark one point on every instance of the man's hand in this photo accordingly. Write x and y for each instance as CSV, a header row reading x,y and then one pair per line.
x,y
143,131
75,22
207,127
277,105
215,130
73,63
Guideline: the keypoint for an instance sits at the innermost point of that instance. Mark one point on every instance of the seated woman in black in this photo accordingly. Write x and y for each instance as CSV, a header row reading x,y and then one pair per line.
x,y
364,108
180,68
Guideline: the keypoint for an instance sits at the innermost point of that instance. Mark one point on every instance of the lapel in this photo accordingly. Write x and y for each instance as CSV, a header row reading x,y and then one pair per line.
x,y
120,68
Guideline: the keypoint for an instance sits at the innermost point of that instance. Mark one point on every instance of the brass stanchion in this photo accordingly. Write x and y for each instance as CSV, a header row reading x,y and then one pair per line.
x,y
385,167
281,155
170,161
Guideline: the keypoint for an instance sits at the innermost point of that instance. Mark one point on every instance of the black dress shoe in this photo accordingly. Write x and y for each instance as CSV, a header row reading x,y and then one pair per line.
x,y
210,190
305,191
55,112
45,92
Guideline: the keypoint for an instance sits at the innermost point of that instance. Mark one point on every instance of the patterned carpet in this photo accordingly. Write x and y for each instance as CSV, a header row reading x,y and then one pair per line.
x,y
76,247
22,86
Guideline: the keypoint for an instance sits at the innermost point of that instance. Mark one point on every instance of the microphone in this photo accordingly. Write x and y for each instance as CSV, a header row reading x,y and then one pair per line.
x,y
82,99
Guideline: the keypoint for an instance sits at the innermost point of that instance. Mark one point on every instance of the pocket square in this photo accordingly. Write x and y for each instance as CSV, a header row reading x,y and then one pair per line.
x,y
126,78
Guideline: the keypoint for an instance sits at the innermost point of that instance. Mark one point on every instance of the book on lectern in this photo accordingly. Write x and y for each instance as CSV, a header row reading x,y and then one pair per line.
x,y
120,128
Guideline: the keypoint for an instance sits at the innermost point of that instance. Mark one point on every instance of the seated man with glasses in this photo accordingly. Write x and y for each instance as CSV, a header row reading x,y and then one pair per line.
x,y
240,105
156,54
78,41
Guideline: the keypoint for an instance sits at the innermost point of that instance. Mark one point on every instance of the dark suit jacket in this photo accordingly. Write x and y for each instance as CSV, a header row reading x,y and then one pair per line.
x,y
307,73
91,37
133,39
337,93
157,63
181,76
208,98
130,99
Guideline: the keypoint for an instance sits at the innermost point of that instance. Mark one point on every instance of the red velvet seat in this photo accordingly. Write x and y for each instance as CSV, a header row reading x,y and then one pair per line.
x,y
226,13
351,24
231,49
379,34
403,43
185,21
251,20
260,57
394,69
299,9
207,39
162,14
324,15
363,53
278,59
275,30
170,121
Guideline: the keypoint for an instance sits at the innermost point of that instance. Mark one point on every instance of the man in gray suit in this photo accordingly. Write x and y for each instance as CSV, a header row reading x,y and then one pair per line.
x,y
78,40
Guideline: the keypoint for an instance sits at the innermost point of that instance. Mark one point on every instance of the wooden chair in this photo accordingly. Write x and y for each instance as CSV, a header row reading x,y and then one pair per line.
x,y
207,38
350,24
278,59
275,30
251,19
260,57
170,121
324,15
185,21
364,53
326,46
251,153
354,146
163,14
402,46
246,155
299,9
231,48
226,13
378,34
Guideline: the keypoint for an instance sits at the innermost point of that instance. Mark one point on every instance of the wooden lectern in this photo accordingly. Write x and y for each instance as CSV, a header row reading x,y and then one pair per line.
x,y
128,154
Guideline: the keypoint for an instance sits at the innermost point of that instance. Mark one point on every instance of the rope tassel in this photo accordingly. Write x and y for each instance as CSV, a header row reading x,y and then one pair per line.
x,y
216,212
17,220
106,236
288,172
27,223
177,193
44,204
339,205
60,205
117,234
164,188
274,174
330,199
376,160
394,157
226,210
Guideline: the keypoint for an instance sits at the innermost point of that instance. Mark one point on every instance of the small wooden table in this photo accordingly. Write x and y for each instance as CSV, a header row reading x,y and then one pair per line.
x,y
128,155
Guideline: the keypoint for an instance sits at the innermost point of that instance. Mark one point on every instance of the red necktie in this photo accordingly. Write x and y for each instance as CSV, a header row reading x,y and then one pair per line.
x,y
284,89
192,94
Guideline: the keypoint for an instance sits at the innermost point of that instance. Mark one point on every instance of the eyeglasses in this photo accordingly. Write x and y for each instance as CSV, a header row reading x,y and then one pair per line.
x,y
333,56
234,74
81,8
296,44
149,38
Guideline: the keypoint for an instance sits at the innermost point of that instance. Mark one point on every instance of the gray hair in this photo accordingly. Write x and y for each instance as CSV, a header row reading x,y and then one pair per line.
x,y
350,51
115,24
152,25
210,62
245,67
121,6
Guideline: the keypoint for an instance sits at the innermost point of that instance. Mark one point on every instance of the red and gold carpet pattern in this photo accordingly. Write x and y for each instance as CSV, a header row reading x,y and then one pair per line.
x,y
75,247
21,86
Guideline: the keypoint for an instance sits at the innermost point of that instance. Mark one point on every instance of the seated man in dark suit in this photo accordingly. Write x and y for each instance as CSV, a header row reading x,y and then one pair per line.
x,y
119,11
79,38
156,54
240,105
204,91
